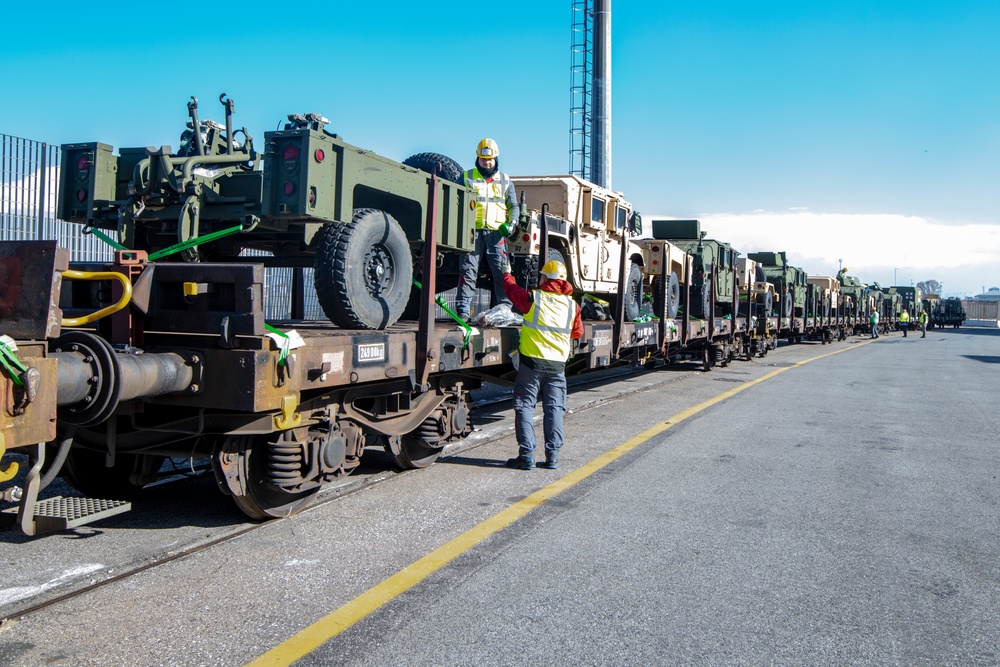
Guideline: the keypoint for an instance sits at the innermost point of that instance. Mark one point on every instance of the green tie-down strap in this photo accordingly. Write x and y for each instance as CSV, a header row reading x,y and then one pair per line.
x,y
444,306
196,241
166,252
104,237
9,360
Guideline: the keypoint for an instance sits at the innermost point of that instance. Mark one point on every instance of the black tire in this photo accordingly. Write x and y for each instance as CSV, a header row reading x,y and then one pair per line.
x,y
768,303
701,301
363,271
448,169
786,309
524,268
633,292
673,296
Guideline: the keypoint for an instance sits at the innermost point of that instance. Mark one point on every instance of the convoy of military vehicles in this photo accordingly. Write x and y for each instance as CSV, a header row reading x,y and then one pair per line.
x,y
111,368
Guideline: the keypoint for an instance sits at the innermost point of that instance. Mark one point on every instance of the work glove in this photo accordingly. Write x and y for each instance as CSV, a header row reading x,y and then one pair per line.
x,y
505,265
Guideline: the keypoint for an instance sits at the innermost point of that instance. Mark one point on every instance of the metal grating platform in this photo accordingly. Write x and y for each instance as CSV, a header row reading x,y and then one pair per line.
x,y
60,513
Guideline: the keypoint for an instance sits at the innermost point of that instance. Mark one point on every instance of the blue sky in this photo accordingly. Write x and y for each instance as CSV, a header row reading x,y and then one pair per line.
x,y
826,119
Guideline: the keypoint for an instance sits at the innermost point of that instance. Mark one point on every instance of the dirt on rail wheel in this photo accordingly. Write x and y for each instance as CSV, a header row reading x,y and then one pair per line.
x,y
415,453
262,498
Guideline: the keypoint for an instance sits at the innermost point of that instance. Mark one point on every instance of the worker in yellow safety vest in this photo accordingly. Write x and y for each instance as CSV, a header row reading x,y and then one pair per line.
x,y
551,322
496,215
923,324
904,321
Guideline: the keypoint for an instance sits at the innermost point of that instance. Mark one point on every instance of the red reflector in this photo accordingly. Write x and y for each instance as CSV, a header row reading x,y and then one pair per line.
x,y
82,163
290,153
534,236
81,195
289,187
655,262
320,155
525,238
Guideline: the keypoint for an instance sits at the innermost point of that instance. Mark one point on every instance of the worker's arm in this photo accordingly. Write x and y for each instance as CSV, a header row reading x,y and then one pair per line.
x,y
519,297
577,325
512,206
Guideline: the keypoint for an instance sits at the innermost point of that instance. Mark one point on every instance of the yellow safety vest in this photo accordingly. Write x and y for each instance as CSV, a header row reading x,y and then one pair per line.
x,y
547,326
490,200
923,318
904,317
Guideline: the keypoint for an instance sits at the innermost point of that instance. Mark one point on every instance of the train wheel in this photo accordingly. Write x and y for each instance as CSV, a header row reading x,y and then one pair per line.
x,y
414,453
262,499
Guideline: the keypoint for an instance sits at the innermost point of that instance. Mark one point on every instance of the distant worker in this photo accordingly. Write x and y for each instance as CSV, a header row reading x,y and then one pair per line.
x,y
874,322
551,320
496,216
904,321
923,324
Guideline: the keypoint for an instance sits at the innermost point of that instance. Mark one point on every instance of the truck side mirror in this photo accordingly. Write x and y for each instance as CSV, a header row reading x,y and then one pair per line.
x,y
635,224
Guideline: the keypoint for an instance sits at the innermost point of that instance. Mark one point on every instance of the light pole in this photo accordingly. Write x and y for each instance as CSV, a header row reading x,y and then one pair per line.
x,y
894,271
841,267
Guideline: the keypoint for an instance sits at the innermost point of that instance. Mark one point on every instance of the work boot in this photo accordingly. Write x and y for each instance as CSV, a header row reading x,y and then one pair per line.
x,y
549,464
521,463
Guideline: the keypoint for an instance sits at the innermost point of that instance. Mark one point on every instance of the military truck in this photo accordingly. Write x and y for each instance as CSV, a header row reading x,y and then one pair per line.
x,y
911,300
309,199
947,312
789,282
713,277
751,280
826,300
854,299
664,261
587,228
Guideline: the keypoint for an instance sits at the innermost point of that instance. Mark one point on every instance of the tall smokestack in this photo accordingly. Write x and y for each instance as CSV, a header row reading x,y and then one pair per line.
x,y
600,155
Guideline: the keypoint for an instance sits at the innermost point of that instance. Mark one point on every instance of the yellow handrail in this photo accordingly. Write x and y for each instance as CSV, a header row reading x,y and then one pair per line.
x,y
98,275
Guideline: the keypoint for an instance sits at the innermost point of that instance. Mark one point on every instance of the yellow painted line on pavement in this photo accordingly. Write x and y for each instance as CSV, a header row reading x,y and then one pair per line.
x,y
331,625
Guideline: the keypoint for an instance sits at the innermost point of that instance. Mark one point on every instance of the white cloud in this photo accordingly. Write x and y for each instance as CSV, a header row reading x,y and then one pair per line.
x,y
874,247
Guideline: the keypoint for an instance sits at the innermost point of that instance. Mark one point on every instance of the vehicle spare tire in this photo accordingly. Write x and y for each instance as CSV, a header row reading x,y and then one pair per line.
x,y
633,292
701,301
768,303
673,296
363,270
449,169
786,305
524,268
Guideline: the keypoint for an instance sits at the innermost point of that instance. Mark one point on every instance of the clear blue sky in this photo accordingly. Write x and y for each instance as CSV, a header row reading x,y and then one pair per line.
x,y
719,107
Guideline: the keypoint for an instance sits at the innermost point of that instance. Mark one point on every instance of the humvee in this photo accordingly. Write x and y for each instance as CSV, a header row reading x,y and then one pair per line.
x,y
826,296
587,227
754,288
713,275
789,282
